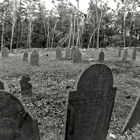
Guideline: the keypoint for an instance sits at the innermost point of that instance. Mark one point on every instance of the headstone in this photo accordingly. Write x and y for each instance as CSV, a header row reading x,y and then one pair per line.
x,y
90,106
134,54
134,116
34,58
72,51
58,53
119,52
2,85
125,55
26,87
15,122
25,57
5,52
101,57
77,56
67,53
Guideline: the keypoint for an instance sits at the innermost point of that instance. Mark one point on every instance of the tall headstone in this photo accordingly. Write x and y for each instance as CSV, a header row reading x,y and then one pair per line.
x,y
58,53
134,54
25,56
125,57
101,56
2,85
72,51
34,58
90,106
134,116
67,53
26,87
5,52
119,55
77,56
15,122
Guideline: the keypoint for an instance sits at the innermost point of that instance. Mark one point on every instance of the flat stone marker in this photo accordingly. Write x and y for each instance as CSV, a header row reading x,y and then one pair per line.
x,y
26,87
67,53
15,122
25,57
90,106
58,53
5,52
34,58
119,55
134,116
125,57
134,54
2,85
77,56
101,57
72,51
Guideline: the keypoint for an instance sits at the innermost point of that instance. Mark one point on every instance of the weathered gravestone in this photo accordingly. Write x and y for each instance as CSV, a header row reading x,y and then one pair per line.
x,y
67,53
134,116
2,85
25,57
15,122
34,58
58,53
89,108
119,55
77,56
125,57
72,51
101,57
134,54
26,87
5,52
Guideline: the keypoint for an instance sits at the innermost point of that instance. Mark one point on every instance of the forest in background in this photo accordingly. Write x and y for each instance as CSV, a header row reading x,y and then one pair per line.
x,y
28,24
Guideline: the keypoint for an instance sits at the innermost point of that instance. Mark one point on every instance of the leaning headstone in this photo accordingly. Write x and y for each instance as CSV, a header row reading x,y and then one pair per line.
x,y
15,122
5,52
25,57
101,57
67,53
26,87
2,85
90,106
72,51
119,55
134,116
34,58
77,56
134,54
125,57
58,53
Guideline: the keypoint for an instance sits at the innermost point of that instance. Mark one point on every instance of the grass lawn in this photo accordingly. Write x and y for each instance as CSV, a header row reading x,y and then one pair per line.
x,y
54,78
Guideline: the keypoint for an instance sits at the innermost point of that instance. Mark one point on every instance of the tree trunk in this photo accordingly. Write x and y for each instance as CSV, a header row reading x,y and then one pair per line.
x,y
48,37
73,32
13,26
70,33
2,36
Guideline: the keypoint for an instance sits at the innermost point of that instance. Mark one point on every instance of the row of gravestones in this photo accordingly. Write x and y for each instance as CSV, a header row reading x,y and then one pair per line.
x,y
74,54
125,57
89,110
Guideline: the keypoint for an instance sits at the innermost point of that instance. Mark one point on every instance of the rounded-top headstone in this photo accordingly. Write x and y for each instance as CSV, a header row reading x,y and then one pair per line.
x,y
134,54
25,56
5,52
77,56
72,51
34,58
58,53
125,55
67,53
101,56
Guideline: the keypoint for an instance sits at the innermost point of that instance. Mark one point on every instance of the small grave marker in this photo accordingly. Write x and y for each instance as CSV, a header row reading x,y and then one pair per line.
x,y
125,55
90,106
67,53
101,57
134,116
25,57
134,54
15,122
26,87
72,51
58,53
119,55
77,56
5,52
34,58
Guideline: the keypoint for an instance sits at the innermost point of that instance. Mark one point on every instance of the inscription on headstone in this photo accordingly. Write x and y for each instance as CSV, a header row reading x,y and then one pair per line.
x,y
90,106
77,56
134,54
25,57
15,123
34,58
58,53
5,52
